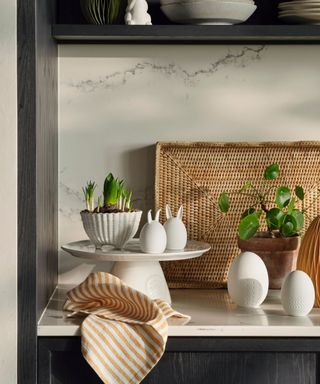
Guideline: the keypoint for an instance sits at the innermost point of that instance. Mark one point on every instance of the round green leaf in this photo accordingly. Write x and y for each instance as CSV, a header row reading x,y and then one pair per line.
x,y
283,196
272,172
299,192
247,212
275,218
223,202
289,226
299,218
248,226
287,229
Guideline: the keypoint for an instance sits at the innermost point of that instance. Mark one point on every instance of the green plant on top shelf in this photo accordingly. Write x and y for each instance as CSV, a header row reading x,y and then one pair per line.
x,y
104,11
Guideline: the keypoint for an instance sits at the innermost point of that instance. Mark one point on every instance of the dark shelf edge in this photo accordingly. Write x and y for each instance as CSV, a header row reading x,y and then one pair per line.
x,y
75,33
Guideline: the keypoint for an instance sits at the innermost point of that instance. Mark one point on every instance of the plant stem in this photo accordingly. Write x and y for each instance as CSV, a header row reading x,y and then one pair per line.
x,y
313,202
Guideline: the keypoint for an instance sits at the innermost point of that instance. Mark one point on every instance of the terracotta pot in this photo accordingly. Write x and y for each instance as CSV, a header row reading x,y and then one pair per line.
x,y
279,254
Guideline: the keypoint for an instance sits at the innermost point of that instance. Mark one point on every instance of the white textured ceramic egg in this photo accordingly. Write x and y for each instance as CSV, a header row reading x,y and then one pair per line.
x,y
297,294
248,280
153,238
175,230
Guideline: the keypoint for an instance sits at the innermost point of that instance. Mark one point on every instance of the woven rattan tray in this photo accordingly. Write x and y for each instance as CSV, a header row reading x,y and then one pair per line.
x,y
194,174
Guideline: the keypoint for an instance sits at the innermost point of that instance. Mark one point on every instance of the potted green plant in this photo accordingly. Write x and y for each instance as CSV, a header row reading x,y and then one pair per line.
x,y
113,221
271,225
104,11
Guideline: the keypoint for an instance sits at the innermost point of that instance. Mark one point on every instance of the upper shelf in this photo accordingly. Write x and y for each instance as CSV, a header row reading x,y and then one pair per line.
x,y
86,33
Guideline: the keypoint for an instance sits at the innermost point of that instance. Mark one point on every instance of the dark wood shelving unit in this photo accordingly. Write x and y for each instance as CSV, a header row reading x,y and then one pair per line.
x,y
42,25
263,26
86,33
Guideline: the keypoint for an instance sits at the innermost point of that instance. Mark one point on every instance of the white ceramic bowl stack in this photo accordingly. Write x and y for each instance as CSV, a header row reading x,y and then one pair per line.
x,y
300,11
208,12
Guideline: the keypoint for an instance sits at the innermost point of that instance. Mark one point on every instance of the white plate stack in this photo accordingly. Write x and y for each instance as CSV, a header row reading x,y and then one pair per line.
x,y
300,11
208,12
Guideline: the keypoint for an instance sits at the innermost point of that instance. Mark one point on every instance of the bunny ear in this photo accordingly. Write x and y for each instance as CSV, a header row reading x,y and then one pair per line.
x,y
180,213
149,216
168,212
157,215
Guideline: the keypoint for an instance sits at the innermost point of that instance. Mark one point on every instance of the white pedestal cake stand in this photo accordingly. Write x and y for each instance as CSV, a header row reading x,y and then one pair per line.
x,y
139,270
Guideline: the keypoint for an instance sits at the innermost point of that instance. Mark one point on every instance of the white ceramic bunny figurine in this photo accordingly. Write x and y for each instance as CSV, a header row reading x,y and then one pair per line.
x,y
175,230
137,13
153,238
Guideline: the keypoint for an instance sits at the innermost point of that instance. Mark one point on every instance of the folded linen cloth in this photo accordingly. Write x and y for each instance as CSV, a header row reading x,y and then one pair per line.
x,y
125,332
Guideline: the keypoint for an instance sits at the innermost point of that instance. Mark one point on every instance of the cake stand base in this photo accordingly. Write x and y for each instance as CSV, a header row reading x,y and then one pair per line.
x,y
144,276
139,270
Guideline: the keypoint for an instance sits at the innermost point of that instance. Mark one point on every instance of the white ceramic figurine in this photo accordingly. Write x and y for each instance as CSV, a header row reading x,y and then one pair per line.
x,y
248,280
297,294
176,230
153,238
137,13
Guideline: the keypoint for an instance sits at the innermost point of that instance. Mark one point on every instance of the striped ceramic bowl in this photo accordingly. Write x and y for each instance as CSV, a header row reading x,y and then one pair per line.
x,y
111,228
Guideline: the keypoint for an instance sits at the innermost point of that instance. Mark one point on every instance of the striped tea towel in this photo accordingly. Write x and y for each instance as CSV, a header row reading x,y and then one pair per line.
x,y
125,333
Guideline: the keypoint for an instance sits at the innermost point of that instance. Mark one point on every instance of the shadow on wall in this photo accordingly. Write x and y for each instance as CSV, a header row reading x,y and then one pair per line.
x,y
139,173
138,170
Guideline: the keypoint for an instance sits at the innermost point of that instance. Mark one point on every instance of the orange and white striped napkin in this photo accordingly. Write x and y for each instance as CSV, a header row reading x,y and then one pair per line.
x,y
125,332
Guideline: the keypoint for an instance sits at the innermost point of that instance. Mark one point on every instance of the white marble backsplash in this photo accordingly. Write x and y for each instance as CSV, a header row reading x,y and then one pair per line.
x,y
117,101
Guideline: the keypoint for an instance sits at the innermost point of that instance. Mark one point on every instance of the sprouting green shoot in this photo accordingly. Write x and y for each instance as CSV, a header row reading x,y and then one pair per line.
x,y
115,193
127,199
88,192
111,190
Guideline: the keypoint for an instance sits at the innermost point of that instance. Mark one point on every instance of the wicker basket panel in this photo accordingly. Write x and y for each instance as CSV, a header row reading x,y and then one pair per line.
x,y
194,174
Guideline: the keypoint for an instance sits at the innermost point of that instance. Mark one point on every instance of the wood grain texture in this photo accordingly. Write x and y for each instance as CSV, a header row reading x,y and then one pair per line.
x,y
309,256
205,362
47,154
234,368
37,175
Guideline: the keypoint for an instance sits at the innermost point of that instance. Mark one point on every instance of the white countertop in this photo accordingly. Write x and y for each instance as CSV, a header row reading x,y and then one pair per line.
x,y
212,314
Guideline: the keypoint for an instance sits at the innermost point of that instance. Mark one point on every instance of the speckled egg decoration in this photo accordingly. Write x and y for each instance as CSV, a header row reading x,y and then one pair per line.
x,y
297,294
248,280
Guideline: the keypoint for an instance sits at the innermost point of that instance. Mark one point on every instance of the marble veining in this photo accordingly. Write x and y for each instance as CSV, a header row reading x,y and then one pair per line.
x,y
120,78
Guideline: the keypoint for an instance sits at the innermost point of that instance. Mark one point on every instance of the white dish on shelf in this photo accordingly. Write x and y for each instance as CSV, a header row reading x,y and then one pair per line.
x,y
139,270
301,18
298,2
314,8
167,2
296,12
209,12
300,6
300,13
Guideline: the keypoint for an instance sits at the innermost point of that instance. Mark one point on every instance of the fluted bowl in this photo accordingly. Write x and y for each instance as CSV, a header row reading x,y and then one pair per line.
x,y
111,228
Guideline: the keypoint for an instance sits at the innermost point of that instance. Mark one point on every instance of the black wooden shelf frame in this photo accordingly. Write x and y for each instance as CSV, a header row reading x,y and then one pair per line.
x,y
86,33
